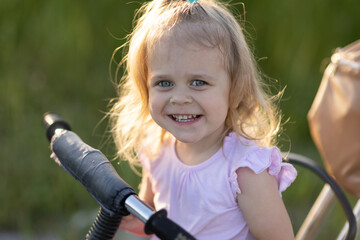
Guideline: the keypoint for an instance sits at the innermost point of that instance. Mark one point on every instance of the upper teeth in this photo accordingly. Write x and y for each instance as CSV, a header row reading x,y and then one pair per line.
x,y
184,117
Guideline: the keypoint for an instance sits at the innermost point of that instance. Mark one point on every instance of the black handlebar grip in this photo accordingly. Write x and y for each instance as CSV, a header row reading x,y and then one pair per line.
x,y
87,165
51,122
93,170
90,167
164,228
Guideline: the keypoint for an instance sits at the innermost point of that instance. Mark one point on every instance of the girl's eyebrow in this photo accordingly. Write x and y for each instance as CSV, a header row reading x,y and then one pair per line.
x,y
201,76
158,76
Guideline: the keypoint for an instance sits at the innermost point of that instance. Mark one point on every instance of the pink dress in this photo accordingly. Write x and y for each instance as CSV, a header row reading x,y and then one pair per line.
x,y
202,198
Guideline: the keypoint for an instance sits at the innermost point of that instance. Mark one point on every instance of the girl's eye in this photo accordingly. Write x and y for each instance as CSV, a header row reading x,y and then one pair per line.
x,y
165,84
198,83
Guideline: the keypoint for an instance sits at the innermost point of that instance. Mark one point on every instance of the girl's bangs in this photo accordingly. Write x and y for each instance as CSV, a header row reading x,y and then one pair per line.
x,y
191,25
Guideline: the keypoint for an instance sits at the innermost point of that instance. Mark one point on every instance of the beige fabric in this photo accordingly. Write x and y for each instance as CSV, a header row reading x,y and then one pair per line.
x,y
334,118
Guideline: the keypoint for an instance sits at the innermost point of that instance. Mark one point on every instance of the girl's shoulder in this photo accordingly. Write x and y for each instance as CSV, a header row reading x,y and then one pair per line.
x,y
151,152
242,153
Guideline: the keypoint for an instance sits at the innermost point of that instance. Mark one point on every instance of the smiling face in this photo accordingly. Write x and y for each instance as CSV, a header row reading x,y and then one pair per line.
x,y
188,91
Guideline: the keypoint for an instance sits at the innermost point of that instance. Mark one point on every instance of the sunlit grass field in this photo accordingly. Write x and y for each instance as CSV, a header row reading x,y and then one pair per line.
x,y
55,56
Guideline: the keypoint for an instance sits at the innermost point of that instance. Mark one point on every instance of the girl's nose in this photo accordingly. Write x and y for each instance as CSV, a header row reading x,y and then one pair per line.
x,y
181,99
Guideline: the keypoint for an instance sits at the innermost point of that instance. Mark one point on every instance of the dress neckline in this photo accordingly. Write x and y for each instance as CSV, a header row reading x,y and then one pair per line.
x,y
199,166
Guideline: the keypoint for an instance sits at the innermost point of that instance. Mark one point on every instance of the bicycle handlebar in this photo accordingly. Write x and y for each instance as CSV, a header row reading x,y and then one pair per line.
x,y
90,167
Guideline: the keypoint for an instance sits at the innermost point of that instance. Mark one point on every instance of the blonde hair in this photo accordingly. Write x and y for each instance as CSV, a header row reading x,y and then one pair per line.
x,y
252,113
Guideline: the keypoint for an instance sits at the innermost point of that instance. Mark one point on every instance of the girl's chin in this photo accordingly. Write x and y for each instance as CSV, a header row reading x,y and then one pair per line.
x,y
186,138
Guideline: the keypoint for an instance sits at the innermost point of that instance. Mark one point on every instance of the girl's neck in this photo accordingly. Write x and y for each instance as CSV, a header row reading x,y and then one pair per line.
x,y
196,153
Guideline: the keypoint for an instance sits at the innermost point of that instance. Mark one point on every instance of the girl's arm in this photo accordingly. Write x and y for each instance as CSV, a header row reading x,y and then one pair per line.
x,y
262,206
132,224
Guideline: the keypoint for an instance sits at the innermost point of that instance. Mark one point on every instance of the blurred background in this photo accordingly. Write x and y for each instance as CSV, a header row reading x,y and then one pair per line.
x,y
55,56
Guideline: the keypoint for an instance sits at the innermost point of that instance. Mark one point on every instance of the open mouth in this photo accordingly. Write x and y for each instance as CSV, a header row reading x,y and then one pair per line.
x,y
185,117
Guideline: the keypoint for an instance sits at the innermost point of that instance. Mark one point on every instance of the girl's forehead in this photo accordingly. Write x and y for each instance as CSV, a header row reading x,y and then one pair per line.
x,y
173,48
187,35
171,55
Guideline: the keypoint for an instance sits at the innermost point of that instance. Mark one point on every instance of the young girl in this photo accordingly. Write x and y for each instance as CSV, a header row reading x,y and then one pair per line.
x,y
192,112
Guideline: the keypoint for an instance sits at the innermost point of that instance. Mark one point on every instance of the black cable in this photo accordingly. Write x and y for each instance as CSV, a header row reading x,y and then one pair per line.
x,y
310,164
104,227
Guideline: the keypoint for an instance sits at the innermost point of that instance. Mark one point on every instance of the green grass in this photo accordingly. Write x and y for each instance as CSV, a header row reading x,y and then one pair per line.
x,y
55,56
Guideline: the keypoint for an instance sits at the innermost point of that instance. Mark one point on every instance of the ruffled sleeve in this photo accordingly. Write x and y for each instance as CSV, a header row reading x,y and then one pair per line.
x,y
259,160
